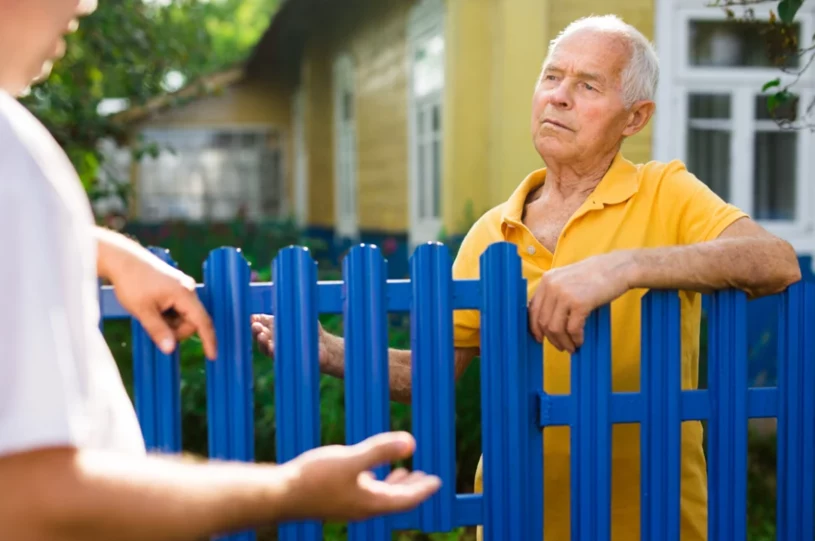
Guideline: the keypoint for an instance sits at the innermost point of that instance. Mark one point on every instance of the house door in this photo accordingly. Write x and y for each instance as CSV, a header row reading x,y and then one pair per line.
x,y
345,150
425,109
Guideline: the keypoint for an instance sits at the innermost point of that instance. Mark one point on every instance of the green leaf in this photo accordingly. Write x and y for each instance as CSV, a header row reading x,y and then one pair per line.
x,y
788,8
770,84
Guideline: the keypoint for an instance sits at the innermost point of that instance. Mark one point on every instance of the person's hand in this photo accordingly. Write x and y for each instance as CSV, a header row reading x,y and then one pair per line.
x,y
335,483
159,296
263,333
567,295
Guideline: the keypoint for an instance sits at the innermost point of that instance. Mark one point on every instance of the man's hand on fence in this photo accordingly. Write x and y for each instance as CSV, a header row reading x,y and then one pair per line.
x,y
335,482
567,295
263,333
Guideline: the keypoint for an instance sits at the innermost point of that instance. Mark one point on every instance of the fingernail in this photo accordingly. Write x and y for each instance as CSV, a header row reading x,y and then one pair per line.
x,y
167,345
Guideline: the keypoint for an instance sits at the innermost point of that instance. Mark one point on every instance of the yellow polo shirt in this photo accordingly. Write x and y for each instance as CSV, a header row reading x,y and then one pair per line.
x,y
634,206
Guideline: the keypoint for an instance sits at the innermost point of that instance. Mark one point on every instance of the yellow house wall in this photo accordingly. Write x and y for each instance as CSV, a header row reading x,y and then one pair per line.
x,y
246,103
495,51
639,13
374,35
466,122
316,84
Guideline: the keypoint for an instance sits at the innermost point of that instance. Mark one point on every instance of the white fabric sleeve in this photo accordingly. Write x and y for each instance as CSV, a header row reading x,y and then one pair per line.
x,y
43,388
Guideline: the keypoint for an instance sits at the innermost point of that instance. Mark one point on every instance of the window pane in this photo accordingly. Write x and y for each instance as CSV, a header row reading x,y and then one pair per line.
x,y
774,182
428,66
709,158
709,105
742,44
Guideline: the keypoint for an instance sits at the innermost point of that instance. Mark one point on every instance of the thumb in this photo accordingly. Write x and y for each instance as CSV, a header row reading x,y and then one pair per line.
x,y
384,448
158,330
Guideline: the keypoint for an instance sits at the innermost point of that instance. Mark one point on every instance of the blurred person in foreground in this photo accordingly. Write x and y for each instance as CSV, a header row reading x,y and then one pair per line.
x,y
73,463
593,228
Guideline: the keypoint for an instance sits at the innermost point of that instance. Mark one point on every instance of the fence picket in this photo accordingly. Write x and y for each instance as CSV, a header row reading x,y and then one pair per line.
x,y
591,431
230,389
505,410
157,386
367,382
727,426
796,411
433,387
661,428
297,376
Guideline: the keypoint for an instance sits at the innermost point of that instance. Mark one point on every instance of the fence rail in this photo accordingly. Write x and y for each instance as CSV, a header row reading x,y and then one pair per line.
x,y
514,407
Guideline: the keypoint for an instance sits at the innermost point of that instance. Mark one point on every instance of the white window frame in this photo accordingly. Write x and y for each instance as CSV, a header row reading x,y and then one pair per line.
x,y
679,79
346,186
426,20
301,184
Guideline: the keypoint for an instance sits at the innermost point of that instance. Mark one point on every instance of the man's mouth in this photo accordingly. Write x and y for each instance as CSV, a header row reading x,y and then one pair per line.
x,y
553,122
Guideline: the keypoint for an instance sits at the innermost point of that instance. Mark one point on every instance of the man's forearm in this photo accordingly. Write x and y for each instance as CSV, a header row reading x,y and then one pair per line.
x,y
110,245
398,367
70,495
759,266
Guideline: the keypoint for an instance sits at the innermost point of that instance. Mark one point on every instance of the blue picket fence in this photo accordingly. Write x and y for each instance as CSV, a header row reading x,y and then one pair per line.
x,y
515,410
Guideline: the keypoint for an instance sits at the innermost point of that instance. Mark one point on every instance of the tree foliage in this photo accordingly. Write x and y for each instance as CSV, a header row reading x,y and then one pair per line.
x,y
784,49
132,50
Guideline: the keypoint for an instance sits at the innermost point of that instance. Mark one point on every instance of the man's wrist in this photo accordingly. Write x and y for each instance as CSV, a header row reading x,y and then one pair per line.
x,y
114,251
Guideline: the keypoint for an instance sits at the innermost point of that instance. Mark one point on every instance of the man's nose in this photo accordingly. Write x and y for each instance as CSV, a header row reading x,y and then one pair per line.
x,y
561,95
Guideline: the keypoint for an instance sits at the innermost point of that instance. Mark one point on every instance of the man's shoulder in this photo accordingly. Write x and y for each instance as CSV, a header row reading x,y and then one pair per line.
x,y
33,167
661,178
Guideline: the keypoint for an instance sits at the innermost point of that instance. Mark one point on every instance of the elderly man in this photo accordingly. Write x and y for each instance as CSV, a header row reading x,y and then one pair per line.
x,y
73,463
593,228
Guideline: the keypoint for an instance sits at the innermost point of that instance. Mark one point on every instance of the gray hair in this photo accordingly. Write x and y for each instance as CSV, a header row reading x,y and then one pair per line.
x,y
641,75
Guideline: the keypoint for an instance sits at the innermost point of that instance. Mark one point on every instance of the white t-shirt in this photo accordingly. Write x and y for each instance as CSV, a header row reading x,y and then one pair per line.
x,y
59,384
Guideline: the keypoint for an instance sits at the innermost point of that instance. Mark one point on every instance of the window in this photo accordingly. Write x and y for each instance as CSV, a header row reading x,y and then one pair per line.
x,y
426,111
345,150
212,174
727,136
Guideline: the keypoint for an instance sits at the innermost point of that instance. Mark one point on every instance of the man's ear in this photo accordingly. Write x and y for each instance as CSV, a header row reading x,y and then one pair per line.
x,y
638,117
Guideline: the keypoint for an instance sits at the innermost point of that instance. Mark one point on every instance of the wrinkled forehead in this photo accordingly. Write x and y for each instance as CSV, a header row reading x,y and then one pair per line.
x,y
592,51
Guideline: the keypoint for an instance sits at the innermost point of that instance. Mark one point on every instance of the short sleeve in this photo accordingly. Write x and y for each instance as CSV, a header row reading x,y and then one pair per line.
x,y
41,325
693,212
467,323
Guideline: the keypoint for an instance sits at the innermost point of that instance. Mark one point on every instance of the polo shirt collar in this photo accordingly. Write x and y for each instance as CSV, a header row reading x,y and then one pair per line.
x,y
620,182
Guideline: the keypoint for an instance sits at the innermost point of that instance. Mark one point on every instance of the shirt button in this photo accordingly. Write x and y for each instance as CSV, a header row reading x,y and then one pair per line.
x,y
530,250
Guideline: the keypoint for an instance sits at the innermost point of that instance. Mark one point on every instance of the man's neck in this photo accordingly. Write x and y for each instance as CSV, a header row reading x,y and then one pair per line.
x,y
576,179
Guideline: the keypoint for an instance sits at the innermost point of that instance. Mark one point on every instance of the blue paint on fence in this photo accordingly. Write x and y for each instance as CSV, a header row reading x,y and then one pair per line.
x,y
661,429
230,388
591,432
514,407
367,400
297,391
433,384
796,427
157,387
727,425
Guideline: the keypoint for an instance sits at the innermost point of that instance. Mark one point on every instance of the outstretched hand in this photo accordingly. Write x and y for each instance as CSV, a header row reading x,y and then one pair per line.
x,y
335,482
